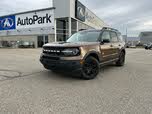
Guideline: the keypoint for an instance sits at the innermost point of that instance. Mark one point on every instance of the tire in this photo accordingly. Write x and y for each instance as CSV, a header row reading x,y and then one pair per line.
x,y
121,60
146,48
46,67
90,68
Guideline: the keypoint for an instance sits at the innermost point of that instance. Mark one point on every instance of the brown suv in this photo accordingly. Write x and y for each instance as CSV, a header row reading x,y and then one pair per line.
x,y
85,52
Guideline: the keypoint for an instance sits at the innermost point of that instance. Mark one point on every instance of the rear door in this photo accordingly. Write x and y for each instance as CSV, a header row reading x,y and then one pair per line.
x,y
114,44
106,49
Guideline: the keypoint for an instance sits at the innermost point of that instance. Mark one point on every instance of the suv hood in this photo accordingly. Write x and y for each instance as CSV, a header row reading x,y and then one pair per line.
x,y
69,44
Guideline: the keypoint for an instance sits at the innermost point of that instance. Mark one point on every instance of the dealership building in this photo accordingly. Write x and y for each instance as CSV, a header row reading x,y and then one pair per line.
x,y
56,23
146,37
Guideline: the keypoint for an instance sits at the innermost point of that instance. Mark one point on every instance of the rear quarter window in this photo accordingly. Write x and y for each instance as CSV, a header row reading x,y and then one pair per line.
x,y
114,37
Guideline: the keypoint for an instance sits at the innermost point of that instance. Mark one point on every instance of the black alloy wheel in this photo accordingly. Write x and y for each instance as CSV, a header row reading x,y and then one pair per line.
x,y
90,68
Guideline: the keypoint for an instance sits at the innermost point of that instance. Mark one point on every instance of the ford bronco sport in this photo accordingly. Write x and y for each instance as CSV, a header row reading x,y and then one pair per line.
x,y
85,52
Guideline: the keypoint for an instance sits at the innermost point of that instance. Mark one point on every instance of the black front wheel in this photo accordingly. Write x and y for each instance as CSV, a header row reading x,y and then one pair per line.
x,y
90,68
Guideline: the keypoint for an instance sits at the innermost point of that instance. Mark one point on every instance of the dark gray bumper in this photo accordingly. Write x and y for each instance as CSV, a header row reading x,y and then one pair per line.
x,y
61,65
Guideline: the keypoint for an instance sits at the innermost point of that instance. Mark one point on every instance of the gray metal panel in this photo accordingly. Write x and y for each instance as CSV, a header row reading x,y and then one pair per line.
x,y
34,31
145,37
146,40
62,8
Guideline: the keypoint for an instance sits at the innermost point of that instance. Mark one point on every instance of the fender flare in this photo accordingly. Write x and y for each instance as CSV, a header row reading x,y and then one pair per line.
x,y
123,50
93,53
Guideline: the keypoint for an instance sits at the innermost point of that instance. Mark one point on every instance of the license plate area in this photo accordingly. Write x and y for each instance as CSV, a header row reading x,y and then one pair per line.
x,y
51,58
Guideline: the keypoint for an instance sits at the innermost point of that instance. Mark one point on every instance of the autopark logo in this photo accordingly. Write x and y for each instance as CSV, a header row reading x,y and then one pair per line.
x,y
7,23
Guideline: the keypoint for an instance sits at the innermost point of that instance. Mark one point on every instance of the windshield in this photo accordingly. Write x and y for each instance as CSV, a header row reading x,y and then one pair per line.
x,y
85,36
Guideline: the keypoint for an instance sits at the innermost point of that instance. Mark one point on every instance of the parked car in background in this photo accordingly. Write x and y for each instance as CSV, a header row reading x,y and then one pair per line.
x,y
132,47
25,44
128,45
148,46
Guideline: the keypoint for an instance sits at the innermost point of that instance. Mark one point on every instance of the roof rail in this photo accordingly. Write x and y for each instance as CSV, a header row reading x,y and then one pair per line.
x,y
108,28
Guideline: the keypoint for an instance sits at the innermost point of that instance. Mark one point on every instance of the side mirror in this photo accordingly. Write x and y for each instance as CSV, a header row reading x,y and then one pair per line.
x,y
105,41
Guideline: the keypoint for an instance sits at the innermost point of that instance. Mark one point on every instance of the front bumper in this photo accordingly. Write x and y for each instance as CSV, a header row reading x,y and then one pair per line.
x,y
61,65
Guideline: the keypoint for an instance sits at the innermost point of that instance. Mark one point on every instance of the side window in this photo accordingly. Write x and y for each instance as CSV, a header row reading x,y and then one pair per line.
x,y
105,36
120,38
114,37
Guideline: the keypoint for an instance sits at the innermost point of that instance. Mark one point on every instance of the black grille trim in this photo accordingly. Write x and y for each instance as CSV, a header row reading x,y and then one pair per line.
x,y
55,51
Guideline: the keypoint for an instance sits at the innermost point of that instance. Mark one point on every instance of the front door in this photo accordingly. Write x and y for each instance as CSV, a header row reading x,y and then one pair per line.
x,y
106,49
115,44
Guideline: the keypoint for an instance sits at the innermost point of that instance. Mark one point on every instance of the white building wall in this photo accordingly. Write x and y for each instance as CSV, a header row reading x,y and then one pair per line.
x,y
30,38
27,38
72,8
145,37
32,31
62,8
94,21
146,40
66,8
23,26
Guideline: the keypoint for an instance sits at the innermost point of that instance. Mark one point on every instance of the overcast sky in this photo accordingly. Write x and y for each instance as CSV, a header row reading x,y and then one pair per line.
x,y
134,15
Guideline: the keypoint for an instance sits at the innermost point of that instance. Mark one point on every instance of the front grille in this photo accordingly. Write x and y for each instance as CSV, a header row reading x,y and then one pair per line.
x,y
53,51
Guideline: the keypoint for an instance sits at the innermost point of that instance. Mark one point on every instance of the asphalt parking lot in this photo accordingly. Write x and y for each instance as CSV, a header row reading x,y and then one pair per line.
x,y
26,87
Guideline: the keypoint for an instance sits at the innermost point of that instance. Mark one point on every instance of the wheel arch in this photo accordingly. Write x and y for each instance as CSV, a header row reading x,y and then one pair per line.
x,y
123,50
93,54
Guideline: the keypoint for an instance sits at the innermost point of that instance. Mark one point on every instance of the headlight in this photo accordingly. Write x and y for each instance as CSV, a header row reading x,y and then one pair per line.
x,y
71,52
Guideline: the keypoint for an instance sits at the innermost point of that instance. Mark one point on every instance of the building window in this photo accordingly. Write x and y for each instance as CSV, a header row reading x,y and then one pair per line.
x,y
41,40
62,29
83,26
73,26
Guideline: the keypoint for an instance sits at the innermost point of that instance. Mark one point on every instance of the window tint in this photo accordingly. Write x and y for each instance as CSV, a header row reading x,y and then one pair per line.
x,y
114,37
105,35
85,36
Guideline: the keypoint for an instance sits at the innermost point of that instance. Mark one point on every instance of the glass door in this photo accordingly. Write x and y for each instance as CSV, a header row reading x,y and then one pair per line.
x,y
41,40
